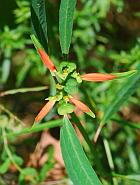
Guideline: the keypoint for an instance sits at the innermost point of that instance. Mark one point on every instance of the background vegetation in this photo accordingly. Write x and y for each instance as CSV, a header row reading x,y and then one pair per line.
x,y
105,39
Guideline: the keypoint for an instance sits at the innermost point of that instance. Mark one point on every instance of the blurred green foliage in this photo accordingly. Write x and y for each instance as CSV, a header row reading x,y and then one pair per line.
x,y
104,40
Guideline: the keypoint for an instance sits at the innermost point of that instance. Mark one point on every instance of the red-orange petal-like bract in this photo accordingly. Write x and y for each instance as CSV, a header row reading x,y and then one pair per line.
x,y
47,61
97,77
44,111
82,106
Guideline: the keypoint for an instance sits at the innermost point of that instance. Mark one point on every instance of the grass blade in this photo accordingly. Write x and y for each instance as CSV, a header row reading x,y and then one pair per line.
x,y
127,89
23,90
127,123
131,177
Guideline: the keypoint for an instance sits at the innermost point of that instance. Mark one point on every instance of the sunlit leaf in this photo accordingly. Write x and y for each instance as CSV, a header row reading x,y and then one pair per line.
x,y
4,166
77,164
127,89
66,14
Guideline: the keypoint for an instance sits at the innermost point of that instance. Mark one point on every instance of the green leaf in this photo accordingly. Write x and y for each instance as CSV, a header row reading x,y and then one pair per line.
x,y
39,22
5,70
4,166
127,89
69,67
66,14
45,169
77,164
48,165
135,177
35,42
124,74
22,74
71,86
65,108
91,114
18,159
127,123
28,173
132,177
3,121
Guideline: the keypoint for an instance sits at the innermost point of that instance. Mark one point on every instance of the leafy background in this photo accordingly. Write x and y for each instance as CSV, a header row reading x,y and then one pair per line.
x,y
105,39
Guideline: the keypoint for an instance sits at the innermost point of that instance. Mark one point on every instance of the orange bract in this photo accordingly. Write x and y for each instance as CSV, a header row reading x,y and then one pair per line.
x,y
97,77
80,105
47,61
44,111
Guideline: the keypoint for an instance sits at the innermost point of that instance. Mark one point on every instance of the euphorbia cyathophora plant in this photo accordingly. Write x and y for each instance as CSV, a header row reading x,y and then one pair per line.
x,y
68,80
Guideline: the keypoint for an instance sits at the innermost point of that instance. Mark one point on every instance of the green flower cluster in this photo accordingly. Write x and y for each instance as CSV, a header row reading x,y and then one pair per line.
x,y
68,81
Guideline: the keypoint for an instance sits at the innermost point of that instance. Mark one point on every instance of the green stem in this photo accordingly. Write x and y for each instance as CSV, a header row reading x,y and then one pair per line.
x,y
65,56
83,132
36,128
108,154
125,177
23,90
98,132
110,159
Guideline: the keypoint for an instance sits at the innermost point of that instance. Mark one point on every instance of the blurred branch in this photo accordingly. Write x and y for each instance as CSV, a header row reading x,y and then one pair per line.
x,y
23,90
11,114
37,128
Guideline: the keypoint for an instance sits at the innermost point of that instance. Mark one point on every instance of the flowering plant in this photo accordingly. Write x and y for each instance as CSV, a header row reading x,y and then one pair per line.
x,y
96,44
68,80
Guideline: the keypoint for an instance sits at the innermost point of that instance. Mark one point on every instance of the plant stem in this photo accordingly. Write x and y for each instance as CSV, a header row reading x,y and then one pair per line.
x,y
23,90
98,133
37,128
110,159
83,132
65,56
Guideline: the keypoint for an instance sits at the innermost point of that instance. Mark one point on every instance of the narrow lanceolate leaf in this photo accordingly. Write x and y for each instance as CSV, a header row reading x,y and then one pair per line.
x,y
66,14
39,22
97,77
44,111
124,74
76,162
127,89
